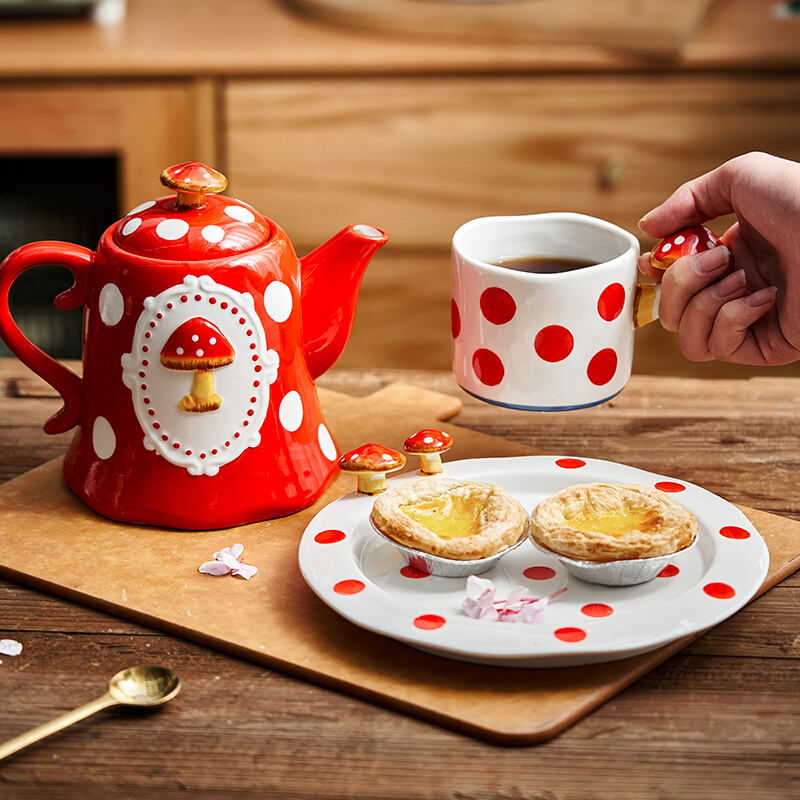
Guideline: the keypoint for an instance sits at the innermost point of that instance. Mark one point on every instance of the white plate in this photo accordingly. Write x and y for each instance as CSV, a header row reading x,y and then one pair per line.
x,y
361,576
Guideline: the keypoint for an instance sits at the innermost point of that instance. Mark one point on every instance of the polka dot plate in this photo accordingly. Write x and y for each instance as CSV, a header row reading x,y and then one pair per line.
x,y
364,578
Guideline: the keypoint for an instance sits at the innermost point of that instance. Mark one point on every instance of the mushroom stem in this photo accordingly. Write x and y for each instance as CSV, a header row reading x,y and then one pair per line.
x,y
202,396
191,199
371,482
430,463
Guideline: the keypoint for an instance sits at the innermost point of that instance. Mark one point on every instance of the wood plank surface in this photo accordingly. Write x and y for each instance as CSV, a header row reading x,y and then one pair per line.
x,y
718,720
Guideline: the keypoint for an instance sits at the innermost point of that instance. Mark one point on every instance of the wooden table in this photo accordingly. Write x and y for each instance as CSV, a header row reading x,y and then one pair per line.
x,y
719,720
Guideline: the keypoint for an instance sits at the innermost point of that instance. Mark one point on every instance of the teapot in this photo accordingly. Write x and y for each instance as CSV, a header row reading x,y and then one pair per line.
x,y
203,334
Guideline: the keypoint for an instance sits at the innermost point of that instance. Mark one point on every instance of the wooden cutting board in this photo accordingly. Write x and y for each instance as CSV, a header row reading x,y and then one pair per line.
x,y
650,28
50,540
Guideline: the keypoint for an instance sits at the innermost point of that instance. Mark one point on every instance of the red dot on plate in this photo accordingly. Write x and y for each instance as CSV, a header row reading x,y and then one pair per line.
x,y
497,305
721,591
611,301
539,573
329,537
553,343
488,367
670,486
349,587
570,463
734,532
455,319
429,622
670,571
597,610
412,572
570,634
602,367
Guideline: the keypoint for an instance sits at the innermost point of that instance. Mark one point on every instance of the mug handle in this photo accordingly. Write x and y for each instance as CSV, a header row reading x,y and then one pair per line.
x,y
645,303
78,260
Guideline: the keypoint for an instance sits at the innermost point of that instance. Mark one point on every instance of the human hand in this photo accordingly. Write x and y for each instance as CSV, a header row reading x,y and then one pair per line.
x,y
739,302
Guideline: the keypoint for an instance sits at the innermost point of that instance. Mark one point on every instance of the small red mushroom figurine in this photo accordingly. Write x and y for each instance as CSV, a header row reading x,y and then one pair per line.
x,y
429,444
686,242
371,462
201,346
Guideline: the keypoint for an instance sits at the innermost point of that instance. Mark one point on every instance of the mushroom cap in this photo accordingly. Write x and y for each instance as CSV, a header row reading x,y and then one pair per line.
x,y
372,458
192,176
428,441
685,242
197,344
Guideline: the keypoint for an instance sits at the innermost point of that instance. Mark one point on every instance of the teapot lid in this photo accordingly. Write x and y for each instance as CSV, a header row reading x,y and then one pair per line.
x,y
196,224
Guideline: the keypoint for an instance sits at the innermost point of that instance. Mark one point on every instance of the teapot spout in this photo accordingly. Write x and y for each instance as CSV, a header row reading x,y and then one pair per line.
x,y
330,279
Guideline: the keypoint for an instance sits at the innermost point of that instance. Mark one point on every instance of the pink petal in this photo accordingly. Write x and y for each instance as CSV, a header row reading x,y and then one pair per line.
x,y
214,568
245,570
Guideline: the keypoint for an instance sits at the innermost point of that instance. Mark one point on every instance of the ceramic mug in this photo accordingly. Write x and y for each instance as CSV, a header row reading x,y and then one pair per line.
x,y
546,341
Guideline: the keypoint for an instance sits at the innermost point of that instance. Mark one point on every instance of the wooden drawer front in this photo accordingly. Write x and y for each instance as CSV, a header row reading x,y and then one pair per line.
x,y
419,156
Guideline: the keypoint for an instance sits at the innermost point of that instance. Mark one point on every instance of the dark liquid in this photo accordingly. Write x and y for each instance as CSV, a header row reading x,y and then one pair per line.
x,y
542,264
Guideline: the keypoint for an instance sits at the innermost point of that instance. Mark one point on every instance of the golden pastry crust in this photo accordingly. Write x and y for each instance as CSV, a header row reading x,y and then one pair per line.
x,y
663,525
499,521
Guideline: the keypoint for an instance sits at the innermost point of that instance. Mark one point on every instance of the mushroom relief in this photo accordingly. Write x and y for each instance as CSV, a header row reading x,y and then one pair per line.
x,y
197,407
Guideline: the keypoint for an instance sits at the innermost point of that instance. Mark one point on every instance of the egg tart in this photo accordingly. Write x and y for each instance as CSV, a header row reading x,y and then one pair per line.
x,y
603,522
451,519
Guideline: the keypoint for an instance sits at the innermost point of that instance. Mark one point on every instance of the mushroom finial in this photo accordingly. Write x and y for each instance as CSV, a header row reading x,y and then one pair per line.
x,y
371,463
198,345
686,242
193,181
429,444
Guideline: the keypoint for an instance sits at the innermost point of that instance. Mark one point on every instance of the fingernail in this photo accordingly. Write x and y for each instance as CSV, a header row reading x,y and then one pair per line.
x,y
644,219
762,297
709,260
730,284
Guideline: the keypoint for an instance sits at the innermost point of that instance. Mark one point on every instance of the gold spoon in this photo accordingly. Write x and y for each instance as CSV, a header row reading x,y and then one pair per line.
x,y
138,686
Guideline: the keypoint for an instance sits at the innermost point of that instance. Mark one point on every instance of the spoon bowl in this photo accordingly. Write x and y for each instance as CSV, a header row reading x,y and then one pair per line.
x,y
147,685
142,687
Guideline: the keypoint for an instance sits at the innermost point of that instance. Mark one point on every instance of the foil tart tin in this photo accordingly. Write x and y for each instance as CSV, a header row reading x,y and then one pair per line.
x,y
447,567
628,572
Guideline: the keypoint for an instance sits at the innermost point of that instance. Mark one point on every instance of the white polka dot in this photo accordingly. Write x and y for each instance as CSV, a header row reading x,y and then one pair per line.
x,y
680,239
199,353
212,340
290,412
326,443
711,245
386,457
278,301
213,234
104,441
142,207
179,351
428,439
666,247
172,229
240,213
131,225
112,304
195,338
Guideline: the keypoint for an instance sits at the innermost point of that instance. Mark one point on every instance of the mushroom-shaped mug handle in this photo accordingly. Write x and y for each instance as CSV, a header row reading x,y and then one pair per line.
x,y
78,260
685,242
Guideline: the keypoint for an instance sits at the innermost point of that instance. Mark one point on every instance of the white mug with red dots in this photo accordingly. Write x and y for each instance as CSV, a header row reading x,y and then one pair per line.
x,y
544,308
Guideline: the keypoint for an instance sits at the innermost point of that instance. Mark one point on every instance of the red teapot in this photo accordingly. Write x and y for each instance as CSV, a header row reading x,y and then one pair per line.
x,y
203,334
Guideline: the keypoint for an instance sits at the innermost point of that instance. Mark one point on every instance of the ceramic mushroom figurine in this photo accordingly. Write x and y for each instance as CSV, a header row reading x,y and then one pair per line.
x,y
685,242
198,345
371,463
429,444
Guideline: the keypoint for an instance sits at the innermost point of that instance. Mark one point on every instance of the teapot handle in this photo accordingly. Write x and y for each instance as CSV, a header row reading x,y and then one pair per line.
x,y
78,261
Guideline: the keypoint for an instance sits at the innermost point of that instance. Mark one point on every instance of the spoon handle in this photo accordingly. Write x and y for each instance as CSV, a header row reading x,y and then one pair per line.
x,y
57,724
